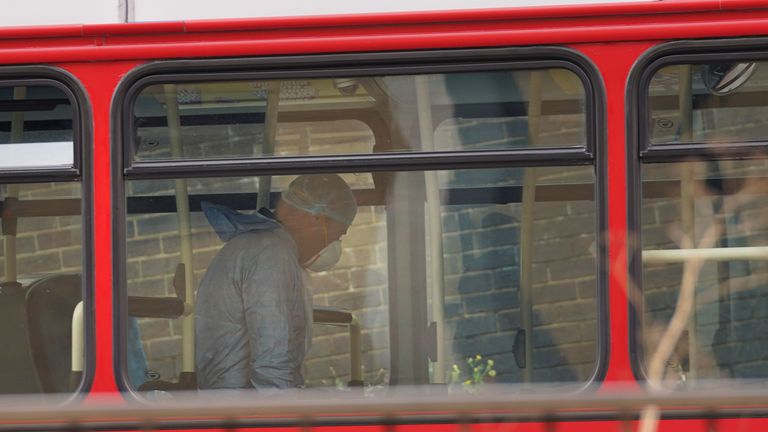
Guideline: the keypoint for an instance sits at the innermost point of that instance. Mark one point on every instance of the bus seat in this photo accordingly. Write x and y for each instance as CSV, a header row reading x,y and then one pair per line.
x,y
51,301
17,369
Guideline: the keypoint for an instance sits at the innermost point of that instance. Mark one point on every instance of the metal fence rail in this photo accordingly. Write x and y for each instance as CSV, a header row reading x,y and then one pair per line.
x,y
236,409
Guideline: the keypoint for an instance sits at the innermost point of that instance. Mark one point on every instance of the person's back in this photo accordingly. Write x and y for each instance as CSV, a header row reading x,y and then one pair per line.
x,y
253,311
252,321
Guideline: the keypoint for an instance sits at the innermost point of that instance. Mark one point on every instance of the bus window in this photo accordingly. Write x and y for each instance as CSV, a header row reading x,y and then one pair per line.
x,y
41,241
709,207
459,275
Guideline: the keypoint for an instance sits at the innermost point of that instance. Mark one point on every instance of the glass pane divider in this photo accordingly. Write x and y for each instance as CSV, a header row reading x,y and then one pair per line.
x,y
356,163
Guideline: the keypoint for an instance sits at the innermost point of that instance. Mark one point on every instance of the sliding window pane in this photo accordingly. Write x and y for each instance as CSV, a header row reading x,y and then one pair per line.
x,y
387,278
717,211
256,118
41,250
715,103
36,128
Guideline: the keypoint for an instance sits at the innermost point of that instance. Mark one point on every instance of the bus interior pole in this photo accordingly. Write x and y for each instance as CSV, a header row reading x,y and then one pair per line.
x,y
526,226
185,240
435,223
687,199
268,148
10,226
666,256
78,347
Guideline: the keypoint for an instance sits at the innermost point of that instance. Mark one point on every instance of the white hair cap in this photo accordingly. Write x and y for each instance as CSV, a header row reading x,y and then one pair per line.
x,y
323,194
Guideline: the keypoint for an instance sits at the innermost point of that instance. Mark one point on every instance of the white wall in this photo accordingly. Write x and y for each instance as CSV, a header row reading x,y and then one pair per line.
x,y
154,10
50,12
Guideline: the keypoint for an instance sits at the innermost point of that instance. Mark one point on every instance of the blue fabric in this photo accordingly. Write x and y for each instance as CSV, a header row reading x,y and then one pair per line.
x,y
137,360
228,223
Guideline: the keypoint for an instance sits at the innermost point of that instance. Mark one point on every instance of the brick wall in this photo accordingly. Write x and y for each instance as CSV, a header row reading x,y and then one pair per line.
x,y
46,244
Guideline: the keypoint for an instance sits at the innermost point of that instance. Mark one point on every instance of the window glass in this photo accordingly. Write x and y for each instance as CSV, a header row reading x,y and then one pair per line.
x,y
716,103
41,251
36,128
720,207
417,315
491,110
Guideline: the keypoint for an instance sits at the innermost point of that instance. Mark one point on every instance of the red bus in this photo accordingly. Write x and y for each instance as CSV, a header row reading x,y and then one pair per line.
x,y
556,220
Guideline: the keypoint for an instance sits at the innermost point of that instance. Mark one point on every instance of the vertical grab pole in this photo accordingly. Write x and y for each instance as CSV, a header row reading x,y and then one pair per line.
x,y
687,202
270,132
78,347
526,227
426,134
185,230
10,226
355,353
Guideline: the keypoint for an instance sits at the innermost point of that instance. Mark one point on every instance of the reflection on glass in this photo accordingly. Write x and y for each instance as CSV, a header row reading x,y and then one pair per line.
x,y
377,309
721,206
273,118
41,284
35,127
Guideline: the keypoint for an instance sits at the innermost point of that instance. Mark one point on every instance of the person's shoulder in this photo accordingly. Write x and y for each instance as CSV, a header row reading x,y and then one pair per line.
x,y
273,241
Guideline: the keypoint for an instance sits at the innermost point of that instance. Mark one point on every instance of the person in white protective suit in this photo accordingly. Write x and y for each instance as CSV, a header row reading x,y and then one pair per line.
x,y
253,313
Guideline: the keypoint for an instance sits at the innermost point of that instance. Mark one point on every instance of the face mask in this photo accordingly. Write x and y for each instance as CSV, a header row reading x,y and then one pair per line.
x,y
326,258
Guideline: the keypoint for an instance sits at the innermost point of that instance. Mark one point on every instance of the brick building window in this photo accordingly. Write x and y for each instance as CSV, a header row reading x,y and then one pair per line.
x,y
703,209
41,238
476,233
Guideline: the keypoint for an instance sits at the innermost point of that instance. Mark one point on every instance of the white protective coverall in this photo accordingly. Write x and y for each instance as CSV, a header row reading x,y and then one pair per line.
x,y
253,313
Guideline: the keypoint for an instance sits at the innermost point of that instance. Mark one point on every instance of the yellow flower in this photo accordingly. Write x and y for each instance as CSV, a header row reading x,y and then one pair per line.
x,y
490,363
478,357
492,373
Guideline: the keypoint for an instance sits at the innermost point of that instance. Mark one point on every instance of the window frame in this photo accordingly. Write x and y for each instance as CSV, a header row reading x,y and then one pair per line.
x,y
125,168
342,65
641,151
81,172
